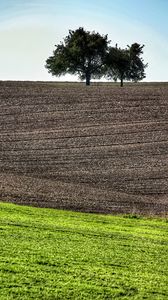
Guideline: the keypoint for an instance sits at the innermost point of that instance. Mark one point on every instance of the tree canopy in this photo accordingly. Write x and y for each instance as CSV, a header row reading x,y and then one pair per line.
x,y
125,64
117,63
81,53
137,66
88,55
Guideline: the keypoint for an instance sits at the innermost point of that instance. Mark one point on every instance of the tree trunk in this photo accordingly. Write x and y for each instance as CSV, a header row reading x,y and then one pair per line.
x,y
88,77
121,83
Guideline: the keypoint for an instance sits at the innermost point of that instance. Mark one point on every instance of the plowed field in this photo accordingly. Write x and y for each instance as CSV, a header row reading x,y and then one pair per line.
x,y
93,149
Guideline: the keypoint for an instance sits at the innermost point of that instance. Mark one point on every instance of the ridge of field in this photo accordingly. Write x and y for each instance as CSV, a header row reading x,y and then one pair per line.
x,y
95,149
54,254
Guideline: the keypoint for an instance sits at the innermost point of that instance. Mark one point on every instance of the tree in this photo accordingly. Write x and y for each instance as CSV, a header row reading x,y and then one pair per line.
x,y
117,62
137,66
82,53
125,64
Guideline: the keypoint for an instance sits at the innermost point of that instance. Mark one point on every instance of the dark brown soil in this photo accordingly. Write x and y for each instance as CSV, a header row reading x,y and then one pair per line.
x,y
94,149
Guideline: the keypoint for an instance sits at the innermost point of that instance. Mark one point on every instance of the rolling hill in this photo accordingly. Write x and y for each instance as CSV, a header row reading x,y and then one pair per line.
x,y
93,149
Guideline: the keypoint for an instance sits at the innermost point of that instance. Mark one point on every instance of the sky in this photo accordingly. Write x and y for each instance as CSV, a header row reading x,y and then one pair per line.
x,y
30,29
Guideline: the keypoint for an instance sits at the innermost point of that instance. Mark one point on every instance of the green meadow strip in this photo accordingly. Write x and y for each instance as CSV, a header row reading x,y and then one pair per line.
x,y
54,254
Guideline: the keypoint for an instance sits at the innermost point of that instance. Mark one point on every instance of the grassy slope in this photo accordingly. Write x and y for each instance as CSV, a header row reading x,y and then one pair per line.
x,y
51,254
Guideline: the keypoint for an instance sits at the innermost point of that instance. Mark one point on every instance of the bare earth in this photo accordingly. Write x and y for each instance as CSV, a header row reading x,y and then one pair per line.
x,y
95,149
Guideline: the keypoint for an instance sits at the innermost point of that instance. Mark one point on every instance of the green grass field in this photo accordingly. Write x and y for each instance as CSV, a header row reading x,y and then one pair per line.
x,y
52,254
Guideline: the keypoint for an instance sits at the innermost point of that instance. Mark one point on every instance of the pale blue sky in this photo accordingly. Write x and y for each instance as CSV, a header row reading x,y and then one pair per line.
x,y
30,29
